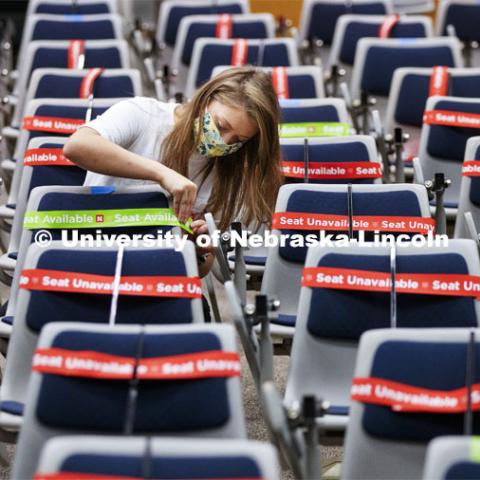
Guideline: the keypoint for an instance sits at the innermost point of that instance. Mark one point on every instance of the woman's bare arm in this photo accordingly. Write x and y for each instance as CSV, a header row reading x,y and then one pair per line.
x,y
89,150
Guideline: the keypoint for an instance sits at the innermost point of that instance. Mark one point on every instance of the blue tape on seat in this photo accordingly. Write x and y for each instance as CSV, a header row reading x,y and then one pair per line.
x,y
8,320
74,18
13,255
14,408
338,410
102,189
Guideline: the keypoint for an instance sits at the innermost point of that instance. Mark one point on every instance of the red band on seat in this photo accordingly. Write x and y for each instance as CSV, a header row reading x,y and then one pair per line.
x,y
91,364
147,286
80,476
239,52
407,398
94,476
86,88
313,221
76,48
52,124
224,26
387,26
280,82
471,168
451,119
438,82
447,284
332,170
46,156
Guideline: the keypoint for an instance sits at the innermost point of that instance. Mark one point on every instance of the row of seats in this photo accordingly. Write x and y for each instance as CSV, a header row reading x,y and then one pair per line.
x,y
338,164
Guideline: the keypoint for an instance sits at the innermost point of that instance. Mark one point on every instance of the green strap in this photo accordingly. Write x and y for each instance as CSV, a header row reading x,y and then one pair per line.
x,y
314,129
128,217
475,449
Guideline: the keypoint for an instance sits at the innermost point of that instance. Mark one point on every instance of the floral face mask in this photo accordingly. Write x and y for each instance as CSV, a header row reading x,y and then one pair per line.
x,y
210,143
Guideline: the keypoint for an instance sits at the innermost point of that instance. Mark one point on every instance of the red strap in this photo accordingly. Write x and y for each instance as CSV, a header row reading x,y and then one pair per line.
x,y
315,221
448,284
95,476
280,82
438,82
86,88
471,168
45,157
451,119
332,170
91,364
224,26
407,398
52,124
80,476
76,282
387,26
239,52
75,49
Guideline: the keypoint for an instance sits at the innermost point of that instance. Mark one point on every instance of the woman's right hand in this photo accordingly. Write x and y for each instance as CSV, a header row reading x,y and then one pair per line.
x,y
183,191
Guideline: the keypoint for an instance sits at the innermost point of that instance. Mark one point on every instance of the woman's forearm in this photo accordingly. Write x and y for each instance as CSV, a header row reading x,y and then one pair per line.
x,y
91,151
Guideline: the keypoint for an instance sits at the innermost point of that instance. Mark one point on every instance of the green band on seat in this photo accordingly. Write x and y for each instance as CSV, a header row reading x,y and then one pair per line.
x,y
475,449
128,217
314,129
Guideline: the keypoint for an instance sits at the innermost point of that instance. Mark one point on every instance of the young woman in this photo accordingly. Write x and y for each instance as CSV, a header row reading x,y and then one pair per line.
x,y
217,153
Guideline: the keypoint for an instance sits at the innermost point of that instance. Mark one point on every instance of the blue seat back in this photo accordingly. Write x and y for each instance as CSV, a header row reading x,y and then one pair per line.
x,y
91,405
56,86
318,113
324,17
68,8
475,183
414,92
357,30
178,12
44,175
328,152
448,143
465,19
436,366
274,55
381,63
165,467
94,57
253,29
345,315
46,306
463,471
72,26
392,203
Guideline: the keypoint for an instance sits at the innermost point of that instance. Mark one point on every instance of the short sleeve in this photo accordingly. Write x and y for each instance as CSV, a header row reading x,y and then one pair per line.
x,y
123,122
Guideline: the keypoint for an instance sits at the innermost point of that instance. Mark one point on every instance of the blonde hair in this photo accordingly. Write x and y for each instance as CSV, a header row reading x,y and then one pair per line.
x,y
245,183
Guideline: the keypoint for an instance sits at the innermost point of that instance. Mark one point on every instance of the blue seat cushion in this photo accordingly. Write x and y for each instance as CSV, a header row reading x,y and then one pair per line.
x,y
435,366
46,306
165,467
346,314
287,320
69,9
92,405
475,184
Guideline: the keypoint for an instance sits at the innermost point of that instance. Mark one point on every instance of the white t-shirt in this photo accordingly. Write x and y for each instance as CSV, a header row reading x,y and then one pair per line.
x,y
141,125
